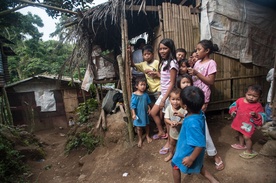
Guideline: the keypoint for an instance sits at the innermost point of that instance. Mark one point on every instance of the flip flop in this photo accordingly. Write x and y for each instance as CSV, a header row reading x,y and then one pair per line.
x,y
156,136
238,146
164,150
220,165
247,155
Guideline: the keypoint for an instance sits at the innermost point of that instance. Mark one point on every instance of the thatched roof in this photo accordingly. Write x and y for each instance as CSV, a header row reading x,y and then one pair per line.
x,y
100,25
102,22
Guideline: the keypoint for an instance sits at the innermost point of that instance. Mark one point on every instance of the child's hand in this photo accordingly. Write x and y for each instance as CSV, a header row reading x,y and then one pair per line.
x,y
134,116
192,71
179,114
162,104
253,114
173,123
147,71
187,161
233,114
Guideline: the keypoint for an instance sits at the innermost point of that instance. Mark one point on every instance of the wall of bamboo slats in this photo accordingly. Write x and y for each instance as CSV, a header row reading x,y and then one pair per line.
x,y
177,23
232,78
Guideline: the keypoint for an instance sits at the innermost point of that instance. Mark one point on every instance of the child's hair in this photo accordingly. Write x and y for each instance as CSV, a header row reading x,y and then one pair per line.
x,y
256,88
175,91
140,80
181,50
179,78
194,51
184,61
207,44
71,118
147,48
139,42
172,56
193,98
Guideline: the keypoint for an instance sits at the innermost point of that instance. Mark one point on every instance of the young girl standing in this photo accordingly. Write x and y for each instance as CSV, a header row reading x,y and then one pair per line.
x,y
204,73
140,108
248,113
168,68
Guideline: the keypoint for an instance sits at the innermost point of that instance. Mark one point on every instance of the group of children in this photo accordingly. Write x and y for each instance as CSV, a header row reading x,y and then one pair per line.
x,y
181,91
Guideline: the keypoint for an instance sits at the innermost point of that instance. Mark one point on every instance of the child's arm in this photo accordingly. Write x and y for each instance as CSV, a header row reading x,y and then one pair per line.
x,y
209,80
258,116
149,109
173,73
188,160
233,109
133,114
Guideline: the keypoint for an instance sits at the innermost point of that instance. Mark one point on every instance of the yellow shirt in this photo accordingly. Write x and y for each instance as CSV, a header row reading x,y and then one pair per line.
x,y
154,83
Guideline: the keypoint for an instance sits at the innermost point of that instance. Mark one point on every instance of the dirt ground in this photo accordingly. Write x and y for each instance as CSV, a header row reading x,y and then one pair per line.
x,y
109,162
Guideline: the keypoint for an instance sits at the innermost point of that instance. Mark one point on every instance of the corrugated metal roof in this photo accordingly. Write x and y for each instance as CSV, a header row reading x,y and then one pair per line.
x,y
53,77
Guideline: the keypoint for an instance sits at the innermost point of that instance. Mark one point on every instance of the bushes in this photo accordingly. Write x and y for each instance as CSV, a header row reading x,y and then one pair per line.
x,y
83,140
84,110
12,167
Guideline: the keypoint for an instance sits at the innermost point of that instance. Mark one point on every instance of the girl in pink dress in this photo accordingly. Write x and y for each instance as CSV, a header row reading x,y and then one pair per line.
x,y
248,113
204,74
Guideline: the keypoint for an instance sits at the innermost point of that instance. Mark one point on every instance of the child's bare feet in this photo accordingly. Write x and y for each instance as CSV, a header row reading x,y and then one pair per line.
x,y
140,143
169,157
149,140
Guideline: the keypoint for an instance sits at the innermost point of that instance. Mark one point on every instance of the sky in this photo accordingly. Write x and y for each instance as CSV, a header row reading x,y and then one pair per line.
x,y
49,23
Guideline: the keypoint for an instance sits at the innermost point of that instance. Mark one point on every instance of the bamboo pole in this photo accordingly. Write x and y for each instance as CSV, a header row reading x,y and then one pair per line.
x,y
161,20
8,108
164,10
126,101
121,60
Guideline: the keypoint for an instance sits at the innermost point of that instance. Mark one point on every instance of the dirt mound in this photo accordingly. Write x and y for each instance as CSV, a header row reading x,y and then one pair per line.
x,y
115,161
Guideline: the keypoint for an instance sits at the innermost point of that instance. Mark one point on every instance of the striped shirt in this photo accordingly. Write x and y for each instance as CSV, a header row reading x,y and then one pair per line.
x,y
165,75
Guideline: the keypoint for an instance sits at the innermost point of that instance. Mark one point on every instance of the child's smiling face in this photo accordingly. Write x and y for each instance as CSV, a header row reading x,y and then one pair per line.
x,y
175,100
164,51
180,55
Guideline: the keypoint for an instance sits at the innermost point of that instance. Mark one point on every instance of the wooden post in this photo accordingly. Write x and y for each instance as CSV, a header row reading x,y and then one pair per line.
x,y
121,59
8,108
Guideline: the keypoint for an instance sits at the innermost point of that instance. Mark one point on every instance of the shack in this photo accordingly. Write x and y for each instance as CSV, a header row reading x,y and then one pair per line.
x,y
44,101
112,24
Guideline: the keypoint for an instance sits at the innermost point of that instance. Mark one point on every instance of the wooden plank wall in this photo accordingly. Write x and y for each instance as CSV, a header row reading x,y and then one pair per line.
x,y
177,23
232,78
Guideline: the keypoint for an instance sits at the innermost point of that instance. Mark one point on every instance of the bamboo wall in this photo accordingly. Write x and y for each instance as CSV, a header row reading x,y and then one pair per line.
x,y
232,78
177,23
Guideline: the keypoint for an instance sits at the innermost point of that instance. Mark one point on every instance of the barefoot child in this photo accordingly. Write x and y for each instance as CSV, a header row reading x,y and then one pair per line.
x,y
140,109
174,115
189,154
248,113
